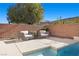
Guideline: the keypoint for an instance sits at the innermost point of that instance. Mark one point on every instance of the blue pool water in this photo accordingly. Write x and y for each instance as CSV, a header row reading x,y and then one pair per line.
x,y
72,50
42,52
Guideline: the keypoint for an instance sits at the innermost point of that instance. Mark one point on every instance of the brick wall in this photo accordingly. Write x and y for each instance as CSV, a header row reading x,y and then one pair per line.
x,y
64,30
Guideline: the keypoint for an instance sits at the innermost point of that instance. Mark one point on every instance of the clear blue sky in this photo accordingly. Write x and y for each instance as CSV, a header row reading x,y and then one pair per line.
x,y
52,11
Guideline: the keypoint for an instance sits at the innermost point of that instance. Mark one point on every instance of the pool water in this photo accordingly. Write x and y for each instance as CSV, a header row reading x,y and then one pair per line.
x,y
71,50
42,52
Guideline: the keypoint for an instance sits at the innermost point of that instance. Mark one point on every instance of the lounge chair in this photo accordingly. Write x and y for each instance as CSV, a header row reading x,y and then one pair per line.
x,y
43,33
25,35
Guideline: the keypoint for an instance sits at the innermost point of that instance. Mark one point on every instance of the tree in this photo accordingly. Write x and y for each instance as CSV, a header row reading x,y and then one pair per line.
x,y
28,13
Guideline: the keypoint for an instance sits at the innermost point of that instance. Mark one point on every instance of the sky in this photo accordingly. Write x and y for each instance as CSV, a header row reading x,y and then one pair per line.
x,y
52,11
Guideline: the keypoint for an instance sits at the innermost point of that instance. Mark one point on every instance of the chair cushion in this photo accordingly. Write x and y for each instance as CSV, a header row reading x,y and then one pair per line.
x,y
24,32
44,34
28,36
42,31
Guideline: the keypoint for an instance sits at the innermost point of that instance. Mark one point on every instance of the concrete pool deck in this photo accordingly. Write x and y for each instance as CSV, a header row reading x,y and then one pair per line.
x,y
17,49
64,40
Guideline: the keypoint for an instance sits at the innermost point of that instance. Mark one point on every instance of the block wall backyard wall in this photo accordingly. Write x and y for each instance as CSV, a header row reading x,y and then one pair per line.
x,y
64,30
59,30
12,30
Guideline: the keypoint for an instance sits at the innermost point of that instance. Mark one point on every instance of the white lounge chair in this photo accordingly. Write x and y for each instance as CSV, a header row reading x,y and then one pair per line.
x,y
43,33
26,35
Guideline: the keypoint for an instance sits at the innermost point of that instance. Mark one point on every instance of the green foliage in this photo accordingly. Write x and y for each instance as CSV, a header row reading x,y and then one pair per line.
x,y
28,13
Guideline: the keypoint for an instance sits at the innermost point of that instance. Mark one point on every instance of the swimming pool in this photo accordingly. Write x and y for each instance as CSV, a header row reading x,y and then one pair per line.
x,y
71,50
